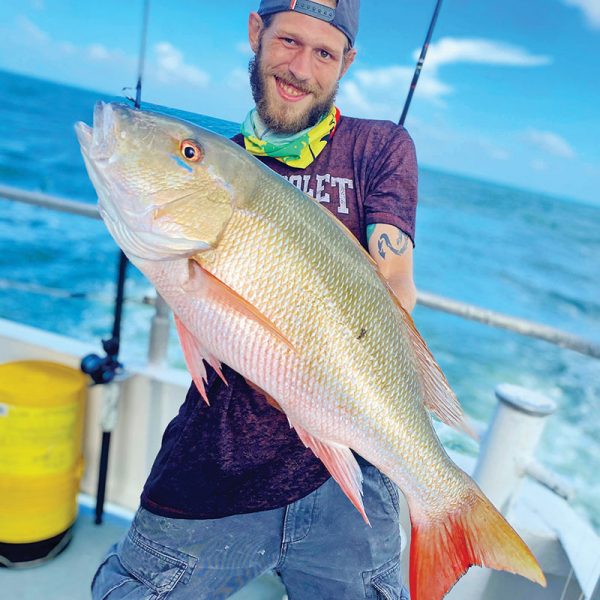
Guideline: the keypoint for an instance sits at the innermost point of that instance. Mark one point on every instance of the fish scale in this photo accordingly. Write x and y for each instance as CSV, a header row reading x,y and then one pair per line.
x,y
245,247
266,280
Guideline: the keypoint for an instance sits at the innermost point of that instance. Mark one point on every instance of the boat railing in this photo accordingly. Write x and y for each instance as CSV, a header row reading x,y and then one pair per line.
x,y
507,453
157,350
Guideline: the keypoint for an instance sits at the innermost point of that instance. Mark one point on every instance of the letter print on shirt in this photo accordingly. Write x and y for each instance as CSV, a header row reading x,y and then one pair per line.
x,y
339,184
342,183
321,179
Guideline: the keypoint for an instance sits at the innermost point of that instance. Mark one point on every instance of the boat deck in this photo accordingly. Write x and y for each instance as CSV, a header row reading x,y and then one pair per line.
x,y
49,580
565,543
68,576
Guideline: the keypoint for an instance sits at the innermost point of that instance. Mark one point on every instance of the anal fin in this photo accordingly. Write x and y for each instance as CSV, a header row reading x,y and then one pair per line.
x,y
342,465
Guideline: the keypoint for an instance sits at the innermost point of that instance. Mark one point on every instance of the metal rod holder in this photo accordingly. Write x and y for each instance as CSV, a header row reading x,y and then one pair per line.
x,y
510,442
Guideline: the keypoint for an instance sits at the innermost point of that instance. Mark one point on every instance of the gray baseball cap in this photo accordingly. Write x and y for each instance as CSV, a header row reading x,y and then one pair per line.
x,y
344,16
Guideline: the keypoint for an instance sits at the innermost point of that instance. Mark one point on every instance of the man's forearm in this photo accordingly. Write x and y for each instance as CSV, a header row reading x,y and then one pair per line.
x,y
405,291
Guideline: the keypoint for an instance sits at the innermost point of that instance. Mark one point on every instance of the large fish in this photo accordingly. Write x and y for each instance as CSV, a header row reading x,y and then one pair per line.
x,y
264,279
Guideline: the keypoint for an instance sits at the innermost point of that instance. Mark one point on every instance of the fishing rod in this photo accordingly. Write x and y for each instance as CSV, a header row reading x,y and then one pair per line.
x,y
142,55
420,62
104,369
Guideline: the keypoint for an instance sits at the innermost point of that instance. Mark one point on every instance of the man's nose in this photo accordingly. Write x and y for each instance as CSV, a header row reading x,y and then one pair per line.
x,y
301,64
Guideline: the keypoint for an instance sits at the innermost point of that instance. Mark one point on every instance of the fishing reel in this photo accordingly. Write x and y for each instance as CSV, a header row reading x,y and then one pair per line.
x,y
103,369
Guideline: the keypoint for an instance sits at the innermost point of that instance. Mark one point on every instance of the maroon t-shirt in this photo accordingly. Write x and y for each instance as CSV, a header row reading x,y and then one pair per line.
x,y
239,455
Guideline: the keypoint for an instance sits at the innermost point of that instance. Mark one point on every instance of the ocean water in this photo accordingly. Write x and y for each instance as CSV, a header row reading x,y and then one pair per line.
x,y
504,249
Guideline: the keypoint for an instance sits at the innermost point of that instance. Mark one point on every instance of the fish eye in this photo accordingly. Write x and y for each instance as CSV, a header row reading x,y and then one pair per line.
x,y
191,150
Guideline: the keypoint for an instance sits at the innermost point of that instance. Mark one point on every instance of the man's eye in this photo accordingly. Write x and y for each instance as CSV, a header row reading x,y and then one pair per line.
x,y
324,54
289,41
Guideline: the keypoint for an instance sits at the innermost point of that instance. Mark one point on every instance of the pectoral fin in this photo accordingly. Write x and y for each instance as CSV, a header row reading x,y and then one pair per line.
x,y
204,282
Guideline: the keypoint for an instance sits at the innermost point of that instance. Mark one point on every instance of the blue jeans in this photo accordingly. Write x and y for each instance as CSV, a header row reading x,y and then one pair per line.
x,y
319,545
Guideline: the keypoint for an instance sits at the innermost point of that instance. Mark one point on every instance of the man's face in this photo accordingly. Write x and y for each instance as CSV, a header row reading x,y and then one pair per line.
x,y
295,73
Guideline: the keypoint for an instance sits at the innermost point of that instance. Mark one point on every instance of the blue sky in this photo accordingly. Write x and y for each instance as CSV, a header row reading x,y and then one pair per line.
x,y
510,91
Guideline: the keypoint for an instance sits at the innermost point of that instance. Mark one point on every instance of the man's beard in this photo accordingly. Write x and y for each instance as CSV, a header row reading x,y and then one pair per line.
x,y
285,123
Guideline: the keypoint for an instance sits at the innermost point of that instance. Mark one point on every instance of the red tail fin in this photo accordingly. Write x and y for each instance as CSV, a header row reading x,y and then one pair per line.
x,y
442,549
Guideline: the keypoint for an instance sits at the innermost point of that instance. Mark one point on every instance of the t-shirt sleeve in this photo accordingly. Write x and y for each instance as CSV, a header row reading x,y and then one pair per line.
x,y
391,192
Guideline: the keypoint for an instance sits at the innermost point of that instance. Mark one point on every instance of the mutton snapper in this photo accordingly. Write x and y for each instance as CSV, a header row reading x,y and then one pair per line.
x,y
264,279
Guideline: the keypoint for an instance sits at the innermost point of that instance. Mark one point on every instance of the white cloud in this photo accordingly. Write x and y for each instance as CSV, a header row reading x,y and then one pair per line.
x,y
379,92
32,35
388,77
98,52
538,164
31,31
244,48
550,143
476,50
352,97
67,47
163,70
491,149
171,67
590,9
238,79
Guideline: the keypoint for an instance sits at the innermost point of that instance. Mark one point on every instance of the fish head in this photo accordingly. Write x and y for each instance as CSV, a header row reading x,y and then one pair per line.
x,y
159,180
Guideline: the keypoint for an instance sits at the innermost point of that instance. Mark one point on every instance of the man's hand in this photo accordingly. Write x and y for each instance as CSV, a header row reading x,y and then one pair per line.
x,y
392,250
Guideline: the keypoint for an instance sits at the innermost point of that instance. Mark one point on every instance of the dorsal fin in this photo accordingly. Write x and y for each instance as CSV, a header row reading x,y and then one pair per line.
x,y
438,396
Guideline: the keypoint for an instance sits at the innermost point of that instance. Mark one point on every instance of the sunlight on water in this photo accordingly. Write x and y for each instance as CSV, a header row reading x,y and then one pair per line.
x,y
504,249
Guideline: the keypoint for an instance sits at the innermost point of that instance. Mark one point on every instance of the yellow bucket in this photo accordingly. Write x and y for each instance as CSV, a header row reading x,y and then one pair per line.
x,y
41,426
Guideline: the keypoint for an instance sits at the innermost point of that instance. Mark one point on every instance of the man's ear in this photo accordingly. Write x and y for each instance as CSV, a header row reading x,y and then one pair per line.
x,y
255,25
348,60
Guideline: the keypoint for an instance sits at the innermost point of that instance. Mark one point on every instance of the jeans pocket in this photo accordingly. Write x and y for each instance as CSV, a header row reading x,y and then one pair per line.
x,y
393,492
158,567
385,583
111,579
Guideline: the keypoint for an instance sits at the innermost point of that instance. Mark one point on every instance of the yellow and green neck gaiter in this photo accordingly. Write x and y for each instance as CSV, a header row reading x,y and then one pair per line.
x,y
297,150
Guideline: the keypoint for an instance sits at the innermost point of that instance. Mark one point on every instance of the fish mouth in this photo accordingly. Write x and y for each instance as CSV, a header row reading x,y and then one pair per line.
x,y
98,142
98,145
84,135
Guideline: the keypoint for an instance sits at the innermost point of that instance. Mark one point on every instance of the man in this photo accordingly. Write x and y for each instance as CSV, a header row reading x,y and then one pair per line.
x,y
233,491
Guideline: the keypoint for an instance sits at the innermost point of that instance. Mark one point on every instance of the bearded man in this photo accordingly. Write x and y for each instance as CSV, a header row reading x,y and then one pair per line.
x,y
233,492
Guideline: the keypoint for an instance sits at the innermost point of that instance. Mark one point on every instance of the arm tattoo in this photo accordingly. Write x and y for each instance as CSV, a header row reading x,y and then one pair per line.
x,y
370,230
384,240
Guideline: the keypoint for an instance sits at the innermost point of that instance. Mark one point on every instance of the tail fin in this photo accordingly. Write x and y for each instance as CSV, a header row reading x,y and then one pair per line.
x,y
442,549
